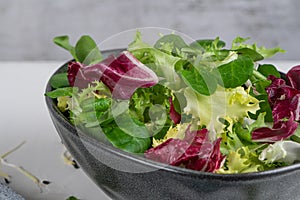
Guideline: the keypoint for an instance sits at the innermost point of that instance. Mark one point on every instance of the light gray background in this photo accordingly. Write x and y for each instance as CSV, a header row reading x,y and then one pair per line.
x,y
28,26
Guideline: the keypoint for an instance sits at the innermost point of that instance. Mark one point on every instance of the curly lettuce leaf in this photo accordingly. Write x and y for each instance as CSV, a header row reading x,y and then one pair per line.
x,y
151,106
231,104
239,43
241,161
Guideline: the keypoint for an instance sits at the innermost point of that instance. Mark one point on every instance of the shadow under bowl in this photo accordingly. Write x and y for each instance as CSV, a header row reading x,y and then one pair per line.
x,y
126,176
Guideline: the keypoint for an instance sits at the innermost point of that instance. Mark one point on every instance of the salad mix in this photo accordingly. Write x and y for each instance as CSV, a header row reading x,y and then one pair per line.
x,y
200,106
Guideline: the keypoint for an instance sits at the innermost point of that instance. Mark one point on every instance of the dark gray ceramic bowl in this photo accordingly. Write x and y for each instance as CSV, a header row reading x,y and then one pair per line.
x,y
125,176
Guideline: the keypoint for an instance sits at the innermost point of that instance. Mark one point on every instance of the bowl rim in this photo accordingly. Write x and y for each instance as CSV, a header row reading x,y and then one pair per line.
x,y
53,109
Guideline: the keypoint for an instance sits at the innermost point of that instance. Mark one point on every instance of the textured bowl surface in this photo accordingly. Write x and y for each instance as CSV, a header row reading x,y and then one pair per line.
x,y
125,176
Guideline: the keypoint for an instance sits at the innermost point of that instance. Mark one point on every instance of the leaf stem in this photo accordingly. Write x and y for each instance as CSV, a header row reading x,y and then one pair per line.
x,y
259,75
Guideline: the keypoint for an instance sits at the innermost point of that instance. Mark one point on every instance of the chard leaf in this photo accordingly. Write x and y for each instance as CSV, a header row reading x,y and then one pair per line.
x,y
268,69
236,72
59,80
63,41
60,92
87,51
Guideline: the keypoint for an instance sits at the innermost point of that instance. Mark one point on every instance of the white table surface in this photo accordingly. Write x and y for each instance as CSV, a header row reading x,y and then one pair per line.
x,y
24,117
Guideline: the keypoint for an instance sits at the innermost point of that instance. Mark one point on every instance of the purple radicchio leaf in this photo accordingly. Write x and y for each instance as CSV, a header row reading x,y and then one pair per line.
x,y
122,75
174,115
285,104
293,77
280,130
279,90
195,152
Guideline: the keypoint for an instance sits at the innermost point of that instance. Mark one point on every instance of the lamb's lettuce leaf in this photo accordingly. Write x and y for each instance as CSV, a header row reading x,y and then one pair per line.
x,y
85,51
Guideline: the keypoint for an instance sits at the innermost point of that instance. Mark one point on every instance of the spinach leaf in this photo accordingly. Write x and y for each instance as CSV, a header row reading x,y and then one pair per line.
x,y
59,80
236,72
